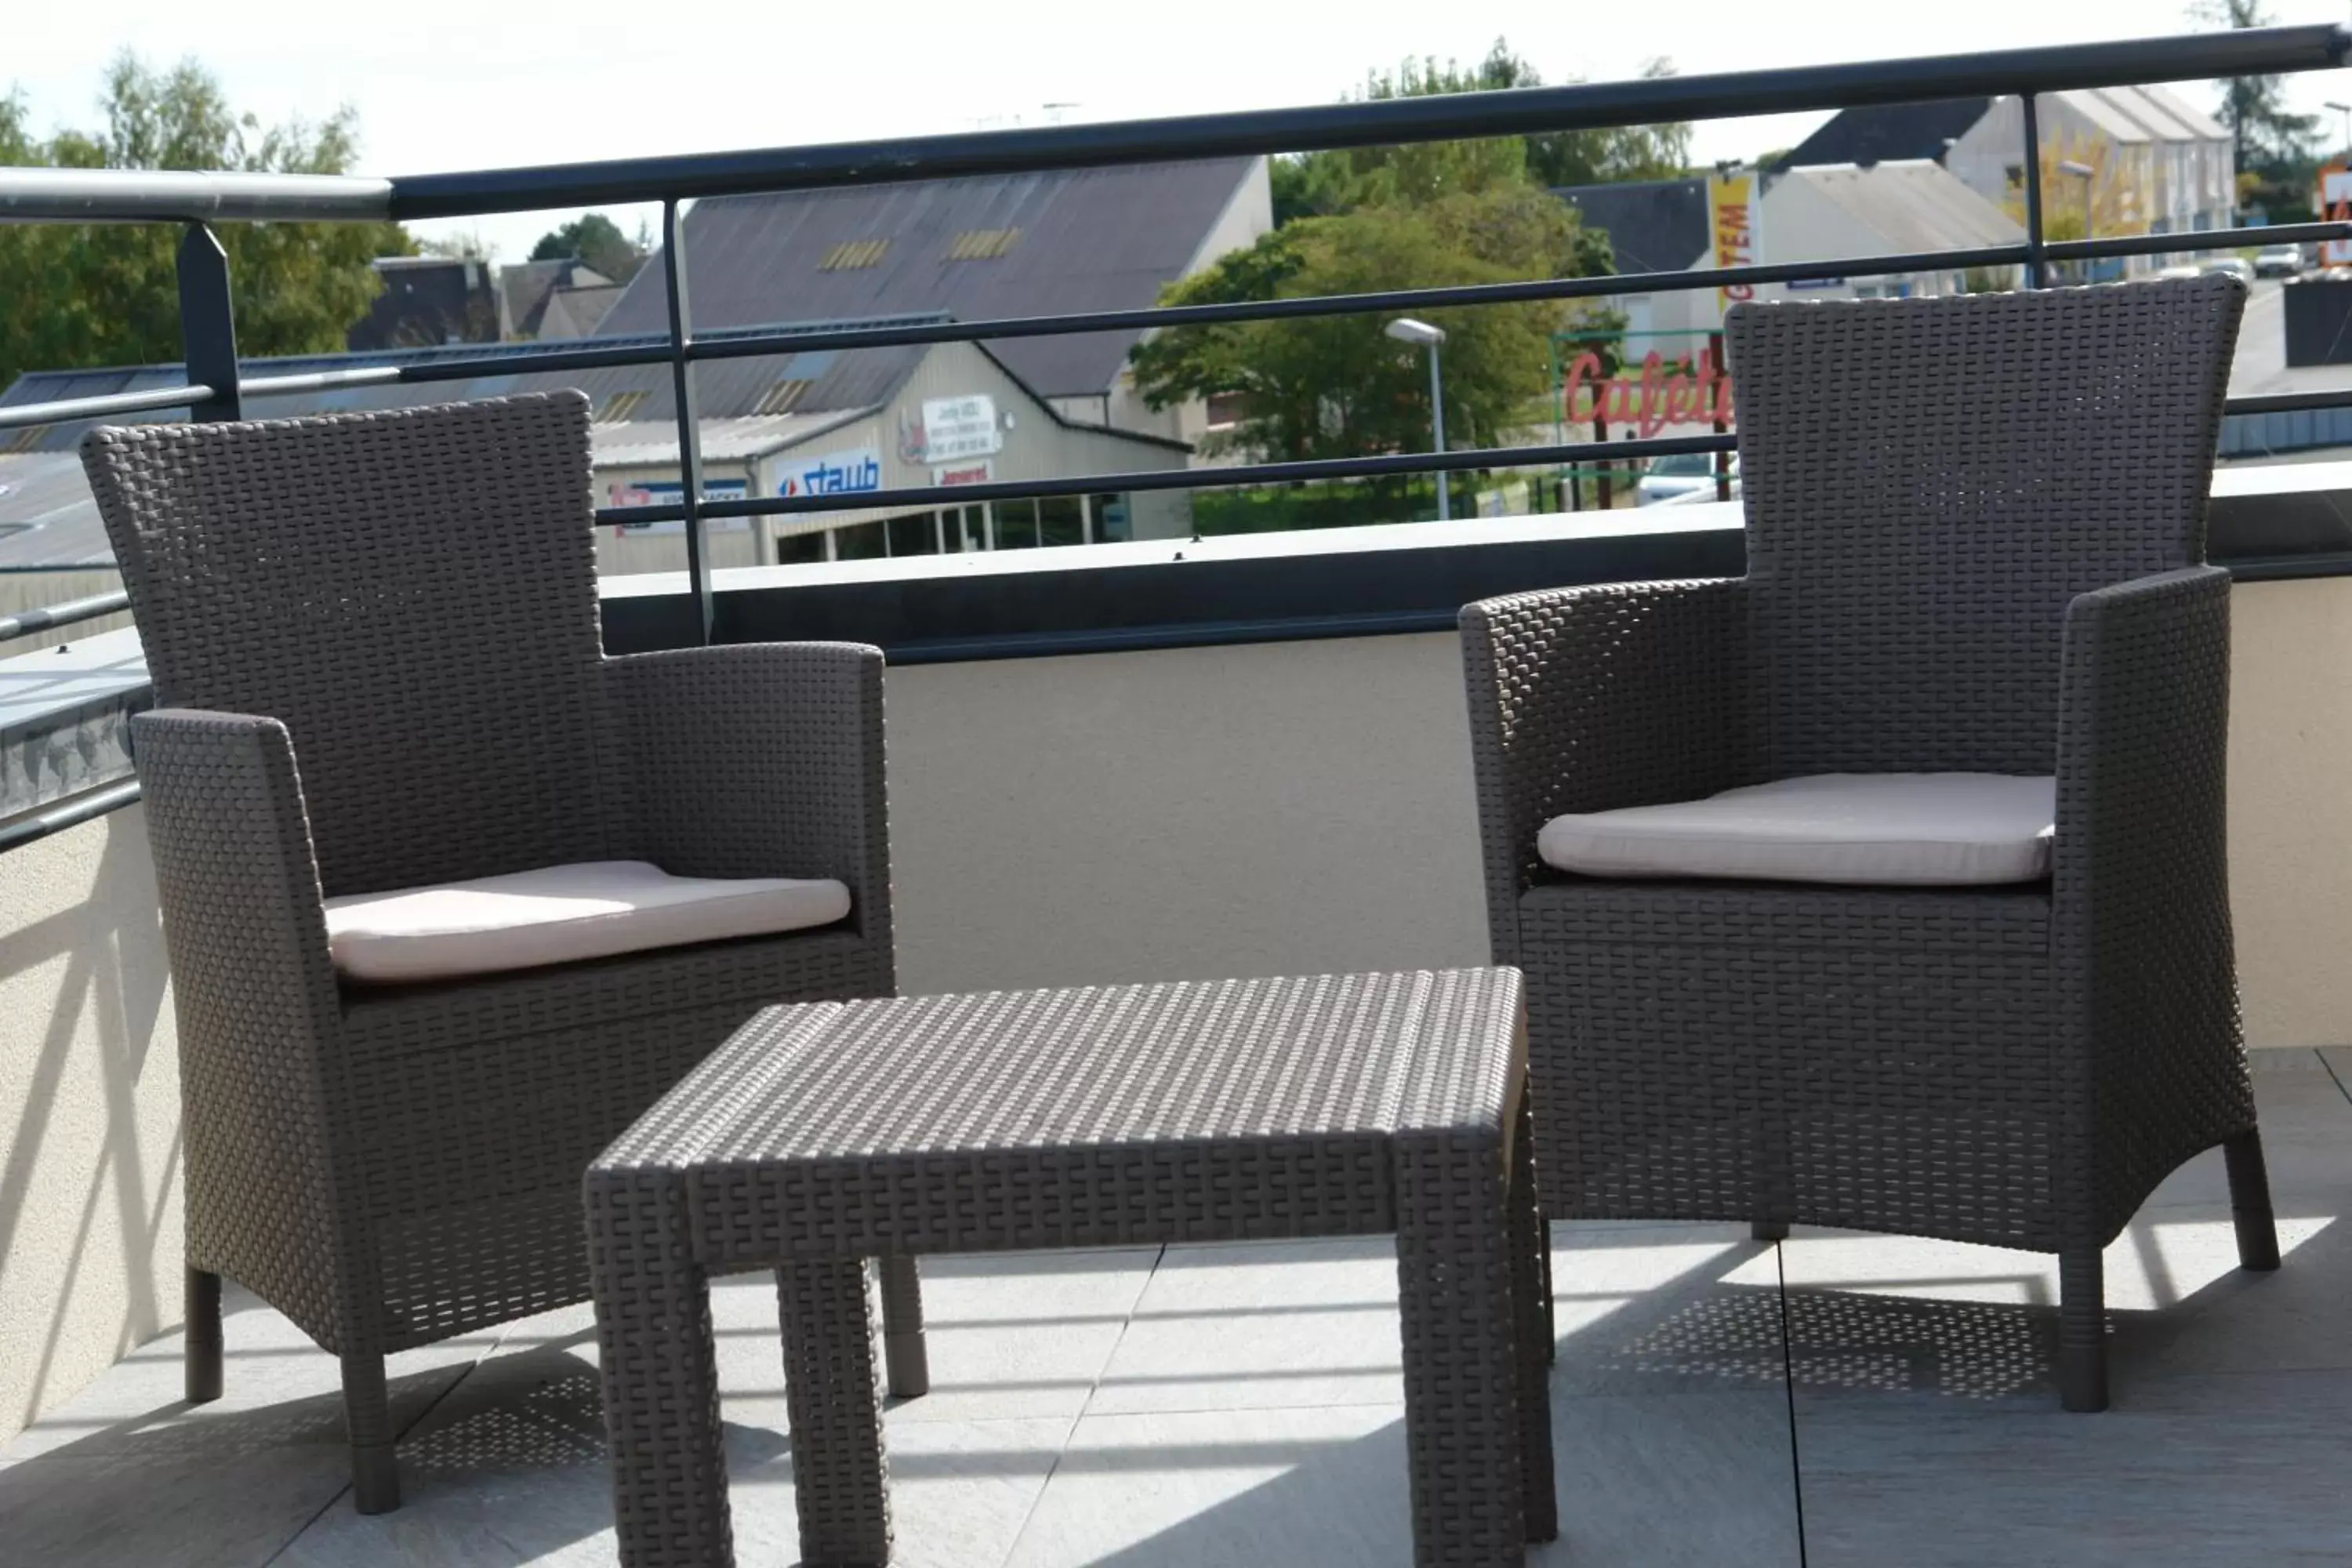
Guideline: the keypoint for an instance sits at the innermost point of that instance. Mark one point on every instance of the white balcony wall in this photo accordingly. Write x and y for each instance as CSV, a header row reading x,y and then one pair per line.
x,y
1275,808
89,1114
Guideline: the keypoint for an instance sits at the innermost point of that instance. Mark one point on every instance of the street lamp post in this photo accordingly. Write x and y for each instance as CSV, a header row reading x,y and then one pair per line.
x,y
2085,172
1405,329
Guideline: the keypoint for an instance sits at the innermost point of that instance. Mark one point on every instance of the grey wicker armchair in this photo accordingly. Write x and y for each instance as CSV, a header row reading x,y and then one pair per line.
x,y
1975,535
376,642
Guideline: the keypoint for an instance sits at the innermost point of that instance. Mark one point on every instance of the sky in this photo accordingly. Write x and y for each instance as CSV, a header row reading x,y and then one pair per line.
x,y
439,86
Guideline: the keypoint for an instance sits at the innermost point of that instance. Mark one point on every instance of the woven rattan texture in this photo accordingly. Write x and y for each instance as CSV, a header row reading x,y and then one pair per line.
x,y
388,587
409,599
1928,484
821,1135
1978,576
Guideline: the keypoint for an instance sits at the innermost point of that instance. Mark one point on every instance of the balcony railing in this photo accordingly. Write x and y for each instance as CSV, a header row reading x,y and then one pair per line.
x,y
215,390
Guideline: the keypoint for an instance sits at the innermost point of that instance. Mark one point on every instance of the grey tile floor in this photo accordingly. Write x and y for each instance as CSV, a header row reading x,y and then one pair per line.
x,y
1242,1405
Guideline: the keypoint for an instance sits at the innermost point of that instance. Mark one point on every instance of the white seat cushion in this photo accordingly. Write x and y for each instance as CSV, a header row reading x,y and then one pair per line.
x,y
563,913
1872,829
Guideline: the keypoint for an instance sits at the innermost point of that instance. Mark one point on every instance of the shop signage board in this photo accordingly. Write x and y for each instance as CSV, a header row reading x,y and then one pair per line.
x,y
958,429
854,471
669,492
1731,205
1663,393
2336,206
977,473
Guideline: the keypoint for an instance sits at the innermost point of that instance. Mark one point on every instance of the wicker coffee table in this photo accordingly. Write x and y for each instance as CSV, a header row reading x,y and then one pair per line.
x,y
826,1134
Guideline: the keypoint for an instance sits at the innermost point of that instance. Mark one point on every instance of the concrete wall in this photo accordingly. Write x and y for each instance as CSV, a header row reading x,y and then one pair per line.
x,y
1280,809
1283,808
1301,807
2290,808
89,1114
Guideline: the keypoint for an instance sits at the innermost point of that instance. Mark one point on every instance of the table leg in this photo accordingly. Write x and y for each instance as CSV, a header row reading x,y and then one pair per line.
x,y
903,1350
660,1375
839,1473
1460,1300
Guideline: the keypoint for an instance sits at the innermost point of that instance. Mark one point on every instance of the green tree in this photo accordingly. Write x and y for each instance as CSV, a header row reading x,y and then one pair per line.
x,y
108,294
2265,131
1321,184
1337,387
596,240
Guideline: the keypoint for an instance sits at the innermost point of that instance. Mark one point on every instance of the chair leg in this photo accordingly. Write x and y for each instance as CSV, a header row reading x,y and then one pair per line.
x,y
367,1422
903,1350
2082,1330
200,1352
1769,1230
2249,1202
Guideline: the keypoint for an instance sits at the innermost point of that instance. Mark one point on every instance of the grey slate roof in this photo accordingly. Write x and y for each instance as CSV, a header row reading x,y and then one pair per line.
x,y
858,378
1089,239
1653,226
1887,133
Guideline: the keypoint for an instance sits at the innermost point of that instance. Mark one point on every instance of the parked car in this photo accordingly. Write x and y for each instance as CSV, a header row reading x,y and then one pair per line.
x,y
2279,261
1681,476
2235,266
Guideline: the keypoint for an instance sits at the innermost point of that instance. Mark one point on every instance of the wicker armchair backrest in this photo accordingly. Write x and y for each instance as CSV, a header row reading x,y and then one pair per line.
x,y
413,594
1928,482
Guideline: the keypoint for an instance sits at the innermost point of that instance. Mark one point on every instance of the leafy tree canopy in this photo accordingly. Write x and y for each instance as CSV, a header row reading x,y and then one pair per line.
x,y
596,240
1337,387
1379,218
1332,182
109,293
2267,132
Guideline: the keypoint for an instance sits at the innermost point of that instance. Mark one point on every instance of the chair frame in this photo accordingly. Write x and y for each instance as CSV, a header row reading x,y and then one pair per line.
x,y
2012,1065
393,1165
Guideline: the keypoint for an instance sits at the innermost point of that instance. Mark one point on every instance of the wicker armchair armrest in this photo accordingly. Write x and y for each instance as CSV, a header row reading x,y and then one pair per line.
x,y
761,759
258,1009
1591,699
2140,865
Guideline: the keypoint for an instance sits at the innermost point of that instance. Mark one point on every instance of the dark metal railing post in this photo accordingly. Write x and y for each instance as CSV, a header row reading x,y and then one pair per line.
x,y
689,429
2034,265
208,324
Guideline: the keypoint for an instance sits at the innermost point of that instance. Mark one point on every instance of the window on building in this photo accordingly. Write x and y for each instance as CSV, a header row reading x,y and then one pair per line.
x,y
860,541
1016,525
796,548
780,397
1224,410
1061,520
1109,517
618,407
917,533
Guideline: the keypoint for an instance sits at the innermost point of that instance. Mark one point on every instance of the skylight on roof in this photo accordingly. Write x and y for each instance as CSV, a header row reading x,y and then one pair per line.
x,y
982,243
851,254
780,397
617,409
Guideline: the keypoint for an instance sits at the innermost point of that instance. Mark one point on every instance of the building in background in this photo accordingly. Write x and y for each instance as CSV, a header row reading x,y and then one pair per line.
x,y
1841,211
2159,165
983,249
540,300
839,424
426,302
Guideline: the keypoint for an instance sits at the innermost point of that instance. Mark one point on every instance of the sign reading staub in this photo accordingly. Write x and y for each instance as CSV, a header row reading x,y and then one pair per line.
x,y
852,472
1731,199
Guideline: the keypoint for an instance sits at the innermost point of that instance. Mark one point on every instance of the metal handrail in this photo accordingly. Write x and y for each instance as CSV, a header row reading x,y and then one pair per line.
x,y
1648,101
85,195
70,612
